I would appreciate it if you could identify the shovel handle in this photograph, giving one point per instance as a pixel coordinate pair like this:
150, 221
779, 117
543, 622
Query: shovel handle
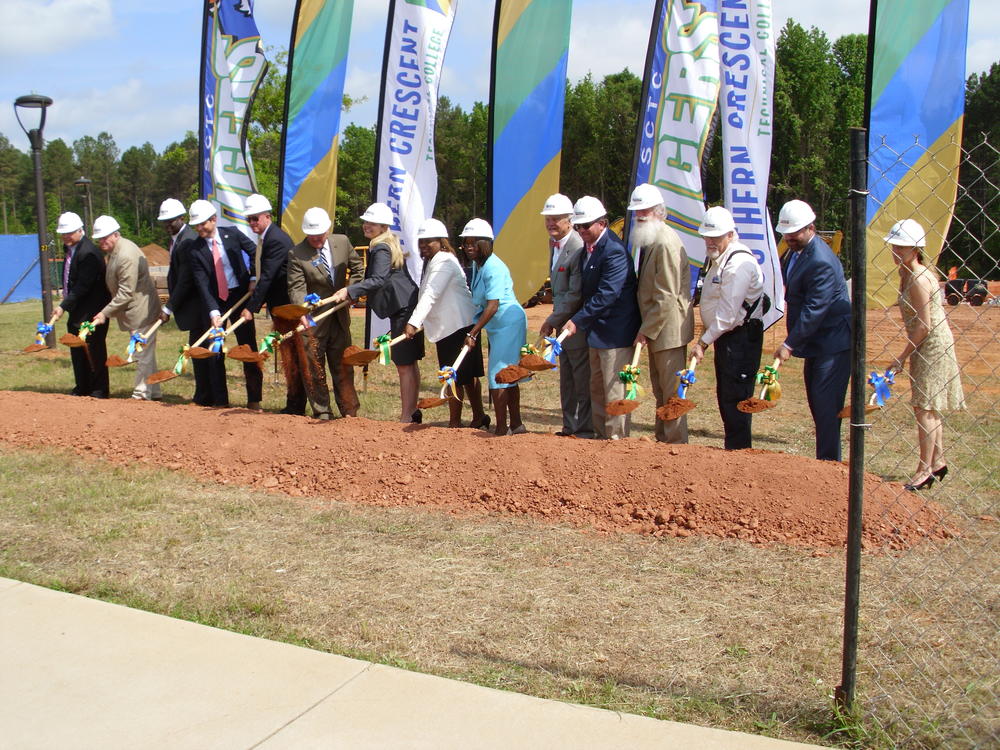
225, 317
53, 319
300, 328
153, 328
692, 364
635, 355
234, 326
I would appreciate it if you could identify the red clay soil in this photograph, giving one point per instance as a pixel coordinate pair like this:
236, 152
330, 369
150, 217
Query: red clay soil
632, 485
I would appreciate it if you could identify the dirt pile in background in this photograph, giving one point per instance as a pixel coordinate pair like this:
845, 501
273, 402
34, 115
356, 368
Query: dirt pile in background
631, 485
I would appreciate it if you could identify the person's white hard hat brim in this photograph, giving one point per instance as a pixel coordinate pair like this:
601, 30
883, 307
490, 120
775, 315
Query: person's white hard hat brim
478, 228
588, 209
716, 222
68, 223
431, 229
557, 205
171, 208
256, 204
316, 221
104, 226
794, 216
378, 213
907, 233
201, 211
645, 196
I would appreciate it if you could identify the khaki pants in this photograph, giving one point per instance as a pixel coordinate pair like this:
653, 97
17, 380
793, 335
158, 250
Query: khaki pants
606, 386
145, 365
663, 368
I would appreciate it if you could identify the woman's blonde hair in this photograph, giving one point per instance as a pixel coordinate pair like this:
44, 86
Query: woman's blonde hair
396, 253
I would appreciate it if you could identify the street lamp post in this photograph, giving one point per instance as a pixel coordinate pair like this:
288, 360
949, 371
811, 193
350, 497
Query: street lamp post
26, 103
88, 209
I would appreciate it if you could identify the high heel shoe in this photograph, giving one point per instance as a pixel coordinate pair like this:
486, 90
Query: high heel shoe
483, 424
922, 486
941, 473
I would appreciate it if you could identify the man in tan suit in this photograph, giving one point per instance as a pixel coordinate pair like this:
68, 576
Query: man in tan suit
321, 264
664, 301
134, 302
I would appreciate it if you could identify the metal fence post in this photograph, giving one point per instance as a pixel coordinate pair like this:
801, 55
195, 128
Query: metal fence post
855, 492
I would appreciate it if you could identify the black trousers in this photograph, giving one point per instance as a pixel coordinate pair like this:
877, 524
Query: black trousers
89, 370
737, 359
826, 377
202, 386
216, 366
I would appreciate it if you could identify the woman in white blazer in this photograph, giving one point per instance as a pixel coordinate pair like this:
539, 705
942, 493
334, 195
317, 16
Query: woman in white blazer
444, 309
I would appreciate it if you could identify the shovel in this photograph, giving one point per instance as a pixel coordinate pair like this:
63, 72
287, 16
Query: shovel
531, 360
770, 391
630, 377
135, 346
74, 341
359, 357
294, 312
881, 392
242, 352
447, 377
195, 350
677, 406
43, 330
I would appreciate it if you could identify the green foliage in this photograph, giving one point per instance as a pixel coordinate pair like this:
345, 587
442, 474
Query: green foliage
356, 163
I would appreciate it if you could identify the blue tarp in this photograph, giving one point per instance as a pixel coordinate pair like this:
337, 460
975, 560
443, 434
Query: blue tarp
17, 253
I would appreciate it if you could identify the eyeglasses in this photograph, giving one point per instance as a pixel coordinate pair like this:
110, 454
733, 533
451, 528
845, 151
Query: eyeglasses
252, 219
586, 225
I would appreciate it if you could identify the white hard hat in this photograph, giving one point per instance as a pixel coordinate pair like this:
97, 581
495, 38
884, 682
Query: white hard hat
69, 222
716, 222
477, 228
794, 215
378, 213
316, 221
588, 209
907, 233
430, 229
645, 196
256, 204
171, 208
557, 205
201, 211
103, 226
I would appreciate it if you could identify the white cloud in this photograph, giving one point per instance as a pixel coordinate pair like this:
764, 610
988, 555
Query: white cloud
38, 27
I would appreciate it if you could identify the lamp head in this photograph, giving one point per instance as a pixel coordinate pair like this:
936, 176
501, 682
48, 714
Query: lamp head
32, 101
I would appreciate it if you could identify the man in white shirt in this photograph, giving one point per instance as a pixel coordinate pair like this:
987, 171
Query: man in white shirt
566, 276
732, 305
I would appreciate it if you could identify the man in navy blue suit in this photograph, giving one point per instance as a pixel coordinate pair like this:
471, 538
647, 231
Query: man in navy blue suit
818, 318
610, 313
219, 260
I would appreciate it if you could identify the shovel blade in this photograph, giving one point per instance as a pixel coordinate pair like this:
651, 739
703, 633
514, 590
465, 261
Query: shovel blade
199, 352
289, 312
115, 361
674, 408
620, 407
431, 402
72, 340
243, 353
161, 377
535, 363
755, 405
32, 348
356, 357
512, 374
845, 413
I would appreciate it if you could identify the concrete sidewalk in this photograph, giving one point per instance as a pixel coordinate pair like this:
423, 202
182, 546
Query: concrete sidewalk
76, 673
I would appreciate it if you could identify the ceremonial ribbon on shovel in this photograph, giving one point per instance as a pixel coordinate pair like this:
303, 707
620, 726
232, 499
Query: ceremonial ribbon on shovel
382, 344
881, 384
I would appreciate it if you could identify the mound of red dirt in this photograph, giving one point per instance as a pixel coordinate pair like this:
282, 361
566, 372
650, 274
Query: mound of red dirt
630, 485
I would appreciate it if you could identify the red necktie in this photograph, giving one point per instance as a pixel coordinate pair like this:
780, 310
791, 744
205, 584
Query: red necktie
220, 271
590, 249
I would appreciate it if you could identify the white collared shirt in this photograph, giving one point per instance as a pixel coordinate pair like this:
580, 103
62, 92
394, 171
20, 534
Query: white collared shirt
731, 279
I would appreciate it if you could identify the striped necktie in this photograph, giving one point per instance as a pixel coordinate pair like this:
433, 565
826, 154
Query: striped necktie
325, 264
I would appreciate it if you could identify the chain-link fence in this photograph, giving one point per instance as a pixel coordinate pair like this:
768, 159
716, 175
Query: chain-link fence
929, 643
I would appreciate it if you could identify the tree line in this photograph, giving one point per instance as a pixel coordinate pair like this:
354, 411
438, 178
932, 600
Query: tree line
819, 94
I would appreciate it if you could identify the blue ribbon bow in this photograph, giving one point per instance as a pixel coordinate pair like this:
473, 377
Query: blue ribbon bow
135, 344
216, 336
687, 380
881, 383
312, 299
555, 349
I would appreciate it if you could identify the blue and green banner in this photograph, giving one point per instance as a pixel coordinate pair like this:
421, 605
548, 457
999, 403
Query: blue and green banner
915, 127
232, 67
314, 97
680, 94
527, 98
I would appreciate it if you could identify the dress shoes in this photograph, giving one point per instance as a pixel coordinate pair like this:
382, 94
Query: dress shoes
941, 473
921, 486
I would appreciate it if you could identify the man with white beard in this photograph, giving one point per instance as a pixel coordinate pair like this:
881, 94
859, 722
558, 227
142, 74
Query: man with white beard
732, 304
664, 301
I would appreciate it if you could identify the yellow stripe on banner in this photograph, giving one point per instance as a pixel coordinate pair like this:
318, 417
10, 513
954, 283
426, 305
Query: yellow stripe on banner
510, 14
318, 189
522, 243
308, 10
926, 194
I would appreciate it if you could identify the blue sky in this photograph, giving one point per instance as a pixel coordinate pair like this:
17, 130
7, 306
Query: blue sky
130, 67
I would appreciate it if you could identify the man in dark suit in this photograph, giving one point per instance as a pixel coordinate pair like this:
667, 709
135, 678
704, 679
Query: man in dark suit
566, 278
221, 279
272, 288
818, 318
322, 264
184, 303
84, 295
609, 315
